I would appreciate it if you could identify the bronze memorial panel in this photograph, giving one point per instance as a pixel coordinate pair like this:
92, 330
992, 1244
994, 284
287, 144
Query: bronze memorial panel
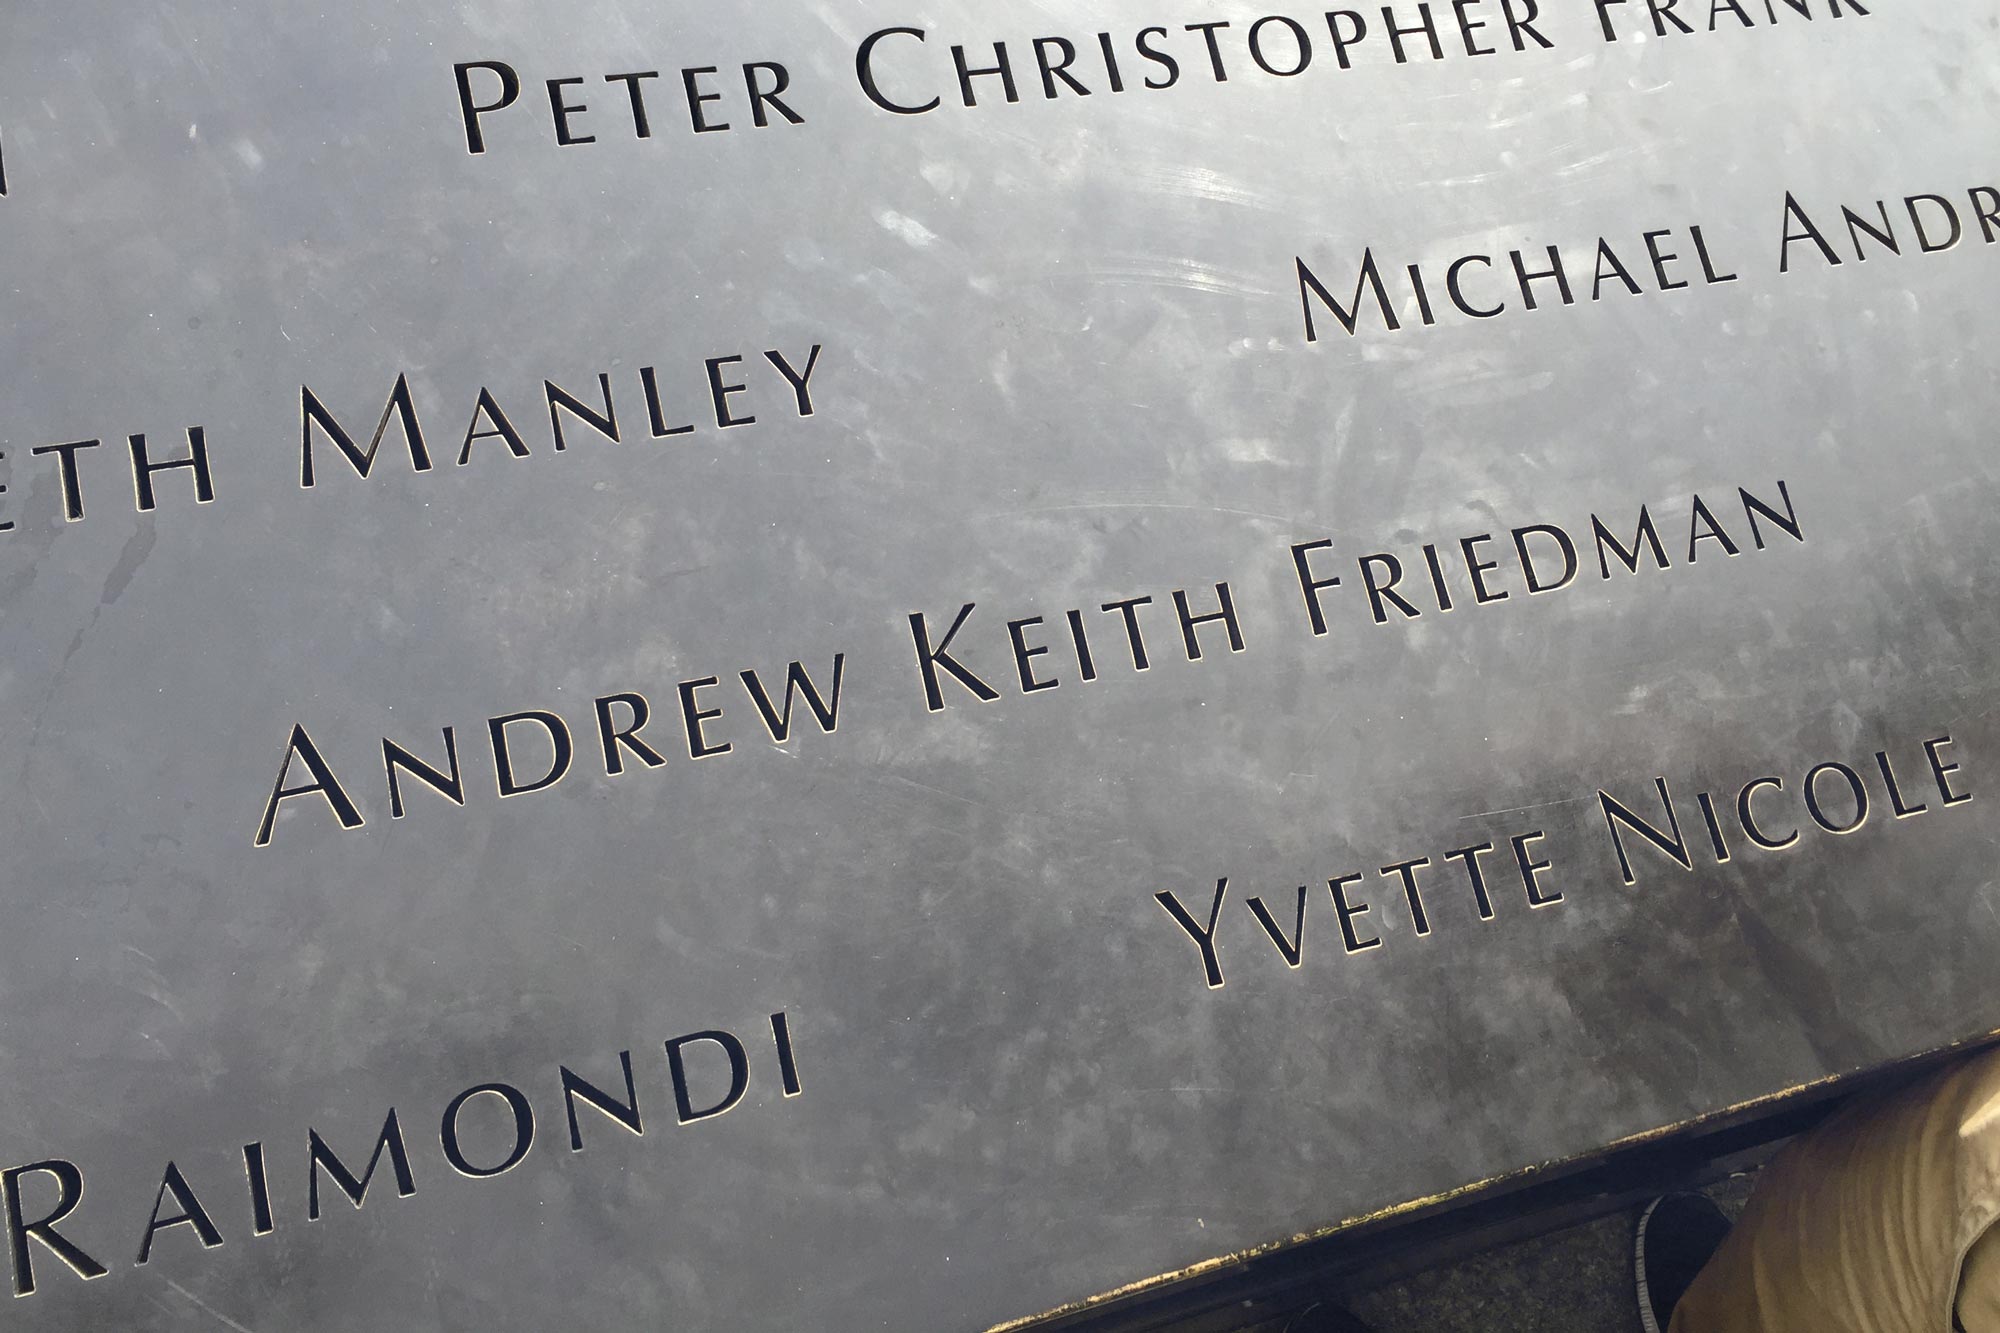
894, 665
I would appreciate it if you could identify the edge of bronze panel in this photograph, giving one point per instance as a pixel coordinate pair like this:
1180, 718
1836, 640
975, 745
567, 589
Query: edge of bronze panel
1523, 1174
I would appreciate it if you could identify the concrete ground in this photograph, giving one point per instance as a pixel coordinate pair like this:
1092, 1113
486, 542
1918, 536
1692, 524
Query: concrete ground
1577, 1280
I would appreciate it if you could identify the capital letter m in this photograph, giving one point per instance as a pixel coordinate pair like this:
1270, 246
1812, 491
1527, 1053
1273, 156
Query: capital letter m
356, 1188
1371, 278
313, 412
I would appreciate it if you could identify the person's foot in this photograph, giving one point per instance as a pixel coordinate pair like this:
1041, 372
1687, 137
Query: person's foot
1677, 1234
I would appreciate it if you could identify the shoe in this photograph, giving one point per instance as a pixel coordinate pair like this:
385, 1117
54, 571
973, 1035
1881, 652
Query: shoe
1676, 1236
1326, 1319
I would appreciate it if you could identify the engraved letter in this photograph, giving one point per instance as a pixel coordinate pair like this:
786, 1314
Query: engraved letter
739, 1074
1204, 939
301, 746
510, 88
319, 1155
69, 1192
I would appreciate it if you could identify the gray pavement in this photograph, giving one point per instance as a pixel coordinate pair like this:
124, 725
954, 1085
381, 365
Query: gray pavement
1578, 1280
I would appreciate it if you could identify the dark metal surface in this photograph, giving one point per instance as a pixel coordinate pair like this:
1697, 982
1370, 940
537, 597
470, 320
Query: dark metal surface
1063, 363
